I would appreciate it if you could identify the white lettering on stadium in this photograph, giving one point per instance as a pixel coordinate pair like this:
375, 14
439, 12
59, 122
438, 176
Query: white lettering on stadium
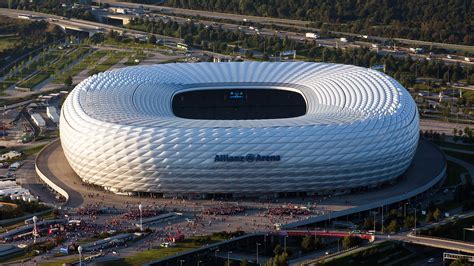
247, 158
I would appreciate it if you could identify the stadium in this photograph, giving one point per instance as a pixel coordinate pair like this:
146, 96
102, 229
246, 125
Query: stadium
239, 128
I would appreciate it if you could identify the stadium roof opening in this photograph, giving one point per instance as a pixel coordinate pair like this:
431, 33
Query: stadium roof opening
238, 104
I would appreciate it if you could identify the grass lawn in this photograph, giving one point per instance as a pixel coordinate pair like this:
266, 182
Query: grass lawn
86, 62
370, 255
33, 150
60, 262
452, 230
8, 42
463, 156
154, 254
35, 80
112, 59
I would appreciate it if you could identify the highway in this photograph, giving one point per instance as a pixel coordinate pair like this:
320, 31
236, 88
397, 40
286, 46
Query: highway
298, 24
79, 24
92, 27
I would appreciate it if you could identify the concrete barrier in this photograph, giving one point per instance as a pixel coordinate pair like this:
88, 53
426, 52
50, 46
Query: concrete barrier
45, 178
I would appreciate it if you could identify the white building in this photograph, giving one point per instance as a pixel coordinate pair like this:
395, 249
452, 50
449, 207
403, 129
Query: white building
10, 155
37, 119
52, 114
239, 128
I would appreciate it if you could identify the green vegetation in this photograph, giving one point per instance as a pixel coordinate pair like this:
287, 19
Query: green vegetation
112, 59
60, 262
453, 172
374, 255
22, 208
463, 156
438, 21
217, 39
8, 42
452, 230
32, 150
89, 60
24, 36
154, 254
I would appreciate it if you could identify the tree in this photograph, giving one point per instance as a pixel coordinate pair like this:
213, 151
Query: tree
409, 222
244, 262
277, 250
429, 217
437, 214
188, 39
152, 39
393, 227
68, 81
350, 241
307, 243
460, 262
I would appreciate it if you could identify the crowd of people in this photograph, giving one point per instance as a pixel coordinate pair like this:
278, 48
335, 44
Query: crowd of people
288, 211
224, 210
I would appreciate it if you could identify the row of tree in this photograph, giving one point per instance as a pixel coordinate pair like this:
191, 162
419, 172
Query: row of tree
431, 20
217, 39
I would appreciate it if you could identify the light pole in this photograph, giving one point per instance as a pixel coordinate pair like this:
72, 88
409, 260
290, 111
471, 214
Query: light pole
382, 219
228, 257
258, 244
285, 243
374, 221
215, 255
35, 231
405, 209
141, 220
79, 249
181, 262
199, 262
415, 221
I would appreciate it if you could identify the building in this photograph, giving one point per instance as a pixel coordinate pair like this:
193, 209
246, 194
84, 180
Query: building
10, 155
239, 128
38, 120
52, 114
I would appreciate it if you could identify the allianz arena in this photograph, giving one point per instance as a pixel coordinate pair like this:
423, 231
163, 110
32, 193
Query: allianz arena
239, 128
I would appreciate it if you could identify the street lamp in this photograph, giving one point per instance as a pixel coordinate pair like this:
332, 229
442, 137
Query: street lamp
35, 231
215, 255
79, 249
258, 244
415, 221
141, 220
181, 262
199, 262
228, 257
285, 243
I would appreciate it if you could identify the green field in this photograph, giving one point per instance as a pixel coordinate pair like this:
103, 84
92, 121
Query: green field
112, 59
8, 42
88, 61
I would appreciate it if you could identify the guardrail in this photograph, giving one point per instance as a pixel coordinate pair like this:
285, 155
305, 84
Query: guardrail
373, 205
45, 178
447, 240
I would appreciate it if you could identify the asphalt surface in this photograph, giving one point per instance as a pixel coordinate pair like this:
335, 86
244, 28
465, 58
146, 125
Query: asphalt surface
268, 20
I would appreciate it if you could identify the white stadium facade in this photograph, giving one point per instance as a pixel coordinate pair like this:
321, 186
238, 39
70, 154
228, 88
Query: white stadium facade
239, 128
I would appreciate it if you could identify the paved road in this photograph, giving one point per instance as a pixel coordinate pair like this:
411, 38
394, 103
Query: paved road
428, 163
303, 25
